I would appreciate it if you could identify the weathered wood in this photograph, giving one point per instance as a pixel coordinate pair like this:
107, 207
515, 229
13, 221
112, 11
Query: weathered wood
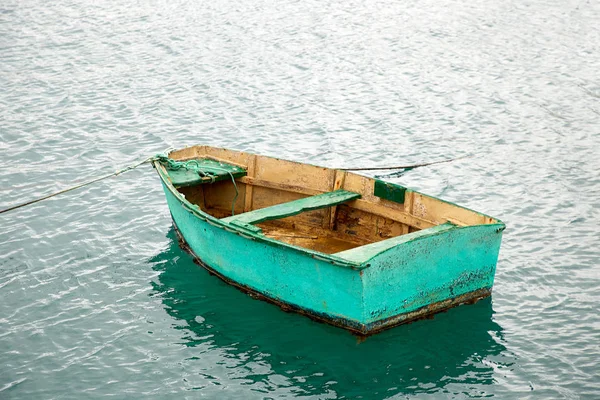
295, 207
365, 253
284, 225
220, 195
249, 188
338, 182
226, 161
385, 211
438, 211
293, 173
408, 201
353, 224
186, 153
317, 240
195, 195
381, 210
281, 186
233, 157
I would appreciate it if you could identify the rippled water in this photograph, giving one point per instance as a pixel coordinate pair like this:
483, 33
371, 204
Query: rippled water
97, 299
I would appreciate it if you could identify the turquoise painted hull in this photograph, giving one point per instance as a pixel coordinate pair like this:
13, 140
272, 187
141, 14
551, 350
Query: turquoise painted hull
427, 273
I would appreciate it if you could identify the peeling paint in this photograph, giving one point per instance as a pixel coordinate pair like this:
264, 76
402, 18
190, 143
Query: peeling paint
410, 281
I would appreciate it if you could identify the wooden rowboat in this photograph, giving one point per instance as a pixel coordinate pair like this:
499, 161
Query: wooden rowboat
349, 250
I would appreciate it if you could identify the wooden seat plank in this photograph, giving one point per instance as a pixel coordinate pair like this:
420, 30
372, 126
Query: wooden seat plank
294, 207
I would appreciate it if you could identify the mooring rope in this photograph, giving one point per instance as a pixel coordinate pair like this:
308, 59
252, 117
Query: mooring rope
405, 167
80, 185
169, 163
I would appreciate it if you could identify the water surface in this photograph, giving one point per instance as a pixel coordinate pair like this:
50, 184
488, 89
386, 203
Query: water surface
98, 300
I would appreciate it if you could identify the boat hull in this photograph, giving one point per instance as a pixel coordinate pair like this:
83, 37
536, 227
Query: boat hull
401, 285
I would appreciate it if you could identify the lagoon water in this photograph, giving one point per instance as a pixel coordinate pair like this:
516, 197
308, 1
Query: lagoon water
96, 298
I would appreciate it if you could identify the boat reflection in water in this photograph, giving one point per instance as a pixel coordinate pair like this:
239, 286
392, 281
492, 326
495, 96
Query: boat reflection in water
236, 340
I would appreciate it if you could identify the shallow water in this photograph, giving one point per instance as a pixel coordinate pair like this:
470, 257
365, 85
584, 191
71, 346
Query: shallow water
98, 300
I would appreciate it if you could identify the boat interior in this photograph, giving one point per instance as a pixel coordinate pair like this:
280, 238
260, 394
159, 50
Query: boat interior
321, 209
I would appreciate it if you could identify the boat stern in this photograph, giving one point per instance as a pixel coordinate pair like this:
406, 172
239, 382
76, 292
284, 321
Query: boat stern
430, 273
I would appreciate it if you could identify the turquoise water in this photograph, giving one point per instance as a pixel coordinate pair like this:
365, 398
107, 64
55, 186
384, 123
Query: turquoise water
98, 300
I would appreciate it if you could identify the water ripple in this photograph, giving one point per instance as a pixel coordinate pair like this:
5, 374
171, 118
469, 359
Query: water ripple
97, 298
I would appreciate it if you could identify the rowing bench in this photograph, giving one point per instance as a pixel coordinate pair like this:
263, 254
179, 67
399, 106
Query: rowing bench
283, 210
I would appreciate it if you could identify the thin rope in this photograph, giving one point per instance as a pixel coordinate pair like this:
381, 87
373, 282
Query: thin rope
118, 172
405, 167
234, 185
